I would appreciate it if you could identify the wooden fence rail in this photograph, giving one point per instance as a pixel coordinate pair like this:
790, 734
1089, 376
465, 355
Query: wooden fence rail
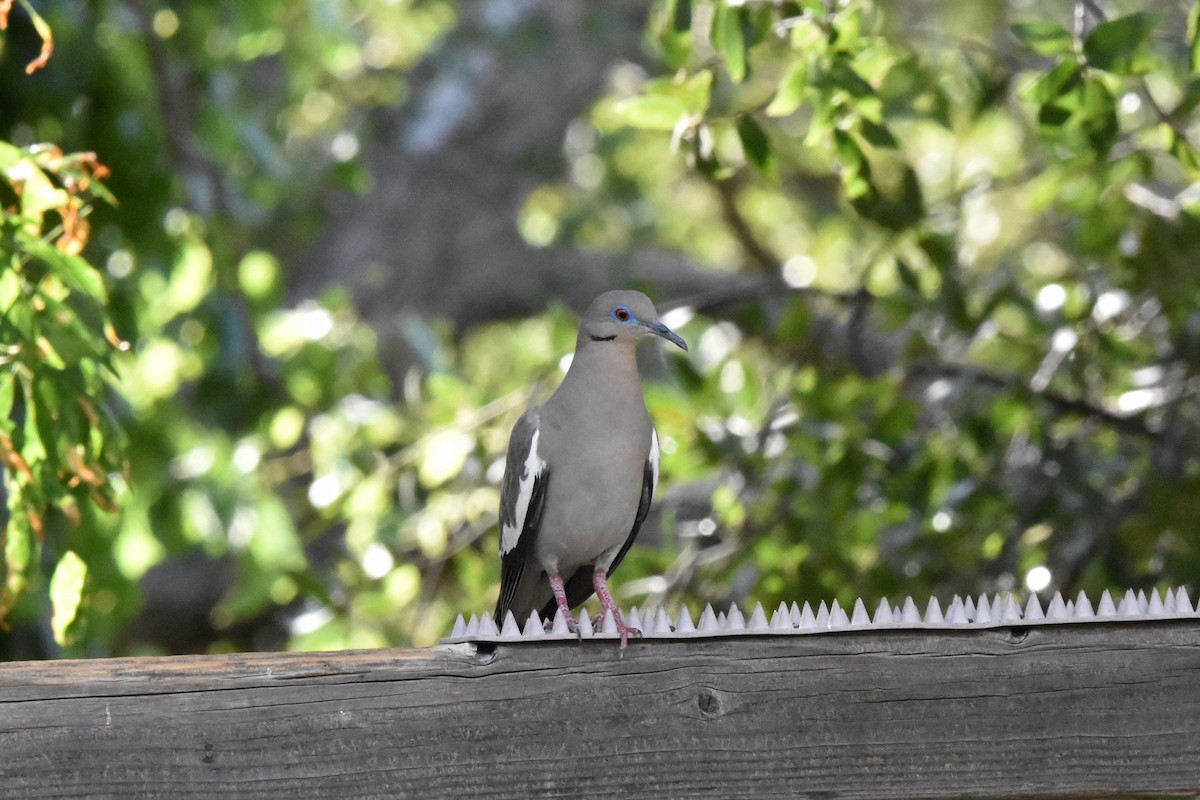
1054, 711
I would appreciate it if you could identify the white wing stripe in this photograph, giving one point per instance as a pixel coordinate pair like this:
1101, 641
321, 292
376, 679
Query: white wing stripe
510, 534
654, 460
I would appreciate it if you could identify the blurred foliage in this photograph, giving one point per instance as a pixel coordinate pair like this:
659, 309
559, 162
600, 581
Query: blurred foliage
974, 352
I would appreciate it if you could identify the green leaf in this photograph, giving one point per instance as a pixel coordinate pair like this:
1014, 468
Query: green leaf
1044, 36
1064, 77
72, 270
729, 40
1193, 38
1182, 149
651, 112
7, 392
908, 276
18, 554
755, 144
66, 593
790, 93
38, 192
696, 92
848, 150
877, 134
681, 15
9, 156
1118, 44
78, 274
843, 76
1099, 115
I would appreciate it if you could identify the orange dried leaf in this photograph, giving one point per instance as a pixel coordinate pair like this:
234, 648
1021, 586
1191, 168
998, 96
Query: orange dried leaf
43, 30
13, 459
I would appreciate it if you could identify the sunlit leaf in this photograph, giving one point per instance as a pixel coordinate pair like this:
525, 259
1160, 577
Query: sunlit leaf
729, 39
66, 594
1045, 36
73, 270
790, 93
651, 112
18, 552
1058, 81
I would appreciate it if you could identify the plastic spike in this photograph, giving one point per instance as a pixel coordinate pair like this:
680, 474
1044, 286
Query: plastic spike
969, 608
1033, 608
837, 617
608, 625
722, 620
1143, 601
1169, 601
1010, 611
460, 627
956, 613
883, 614
734, 620
510, 626
473, 626
1057, 608
823, 616
910, 615
685, 624
781, 620
860, 616
662, 623
1129, 606
758, 619
586, 631
996, 606
1154, 606
634, 619
933, 612
1183, 603
649, 626
808, 620
796, 613
533, 627
708, 620
1105, 608
1083, 606
983, 611
487, 626
559, 627
1071, 608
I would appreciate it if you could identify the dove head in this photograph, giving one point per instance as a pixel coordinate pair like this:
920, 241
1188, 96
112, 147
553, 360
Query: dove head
624, 316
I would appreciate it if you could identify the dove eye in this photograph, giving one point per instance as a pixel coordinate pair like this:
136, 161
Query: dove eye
621, 314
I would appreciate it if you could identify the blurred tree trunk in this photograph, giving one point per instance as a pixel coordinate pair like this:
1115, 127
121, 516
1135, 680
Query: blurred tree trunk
451, 167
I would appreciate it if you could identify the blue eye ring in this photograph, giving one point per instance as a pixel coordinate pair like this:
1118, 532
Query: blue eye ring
622, 314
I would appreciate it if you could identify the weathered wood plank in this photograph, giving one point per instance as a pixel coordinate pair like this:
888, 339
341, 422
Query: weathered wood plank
1054, 711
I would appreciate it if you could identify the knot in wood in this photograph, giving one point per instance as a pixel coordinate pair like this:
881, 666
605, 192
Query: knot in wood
709, 702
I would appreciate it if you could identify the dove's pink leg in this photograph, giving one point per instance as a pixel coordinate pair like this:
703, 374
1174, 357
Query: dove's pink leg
599, 583
560, 596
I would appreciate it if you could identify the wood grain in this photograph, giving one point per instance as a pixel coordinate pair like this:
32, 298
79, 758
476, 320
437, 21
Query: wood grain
1053, 711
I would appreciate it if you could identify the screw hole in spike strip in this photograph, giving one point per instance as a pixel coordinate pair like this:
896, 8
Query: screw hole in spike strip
999, 611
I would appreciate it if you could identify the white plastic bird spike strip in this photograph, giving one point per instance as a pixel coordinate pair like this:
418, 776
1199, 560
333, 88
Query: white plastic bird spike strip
999, 611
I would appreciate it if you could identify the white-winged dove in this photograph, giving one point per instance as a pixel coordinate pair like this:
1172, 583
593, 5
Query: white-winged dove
581, 470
